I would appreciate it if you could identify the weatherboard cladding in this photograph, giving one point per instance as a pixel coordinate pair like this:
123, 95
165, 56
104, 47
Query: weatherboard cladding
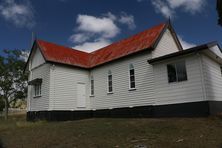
181, 92
212, 79
38, 59
166, 45
43, 103
65, 55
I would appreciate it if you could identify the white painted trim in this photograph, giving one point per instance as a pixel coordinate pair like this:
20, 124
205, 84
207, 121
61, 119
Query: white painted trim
131, 89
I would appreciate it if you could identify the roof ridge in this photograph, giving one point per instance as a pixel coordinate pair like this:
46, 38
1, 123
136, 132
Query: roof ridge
126, 38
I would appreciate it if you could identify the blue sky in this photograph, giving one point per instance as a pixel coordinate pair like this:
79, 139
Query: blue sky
91, 24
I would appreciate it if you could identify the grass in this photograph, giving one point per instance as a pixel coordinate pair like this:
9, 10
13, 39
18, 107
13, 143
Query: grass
105, 133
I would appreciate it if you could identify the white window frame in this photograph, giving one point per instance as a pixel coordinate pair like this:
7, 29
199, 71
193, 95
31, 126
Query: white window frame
109, 74
37, 90
92, 86
131, 66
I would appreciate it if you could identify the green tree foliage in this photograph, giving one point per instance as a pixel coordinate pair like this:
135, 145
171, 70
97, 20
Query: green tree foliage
13, 83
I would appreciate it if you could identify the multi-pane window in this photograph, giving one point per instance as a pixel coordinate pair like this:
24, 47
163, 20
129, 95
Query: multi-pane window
92, 86
110, 82
132, 84
37, 90
177, 72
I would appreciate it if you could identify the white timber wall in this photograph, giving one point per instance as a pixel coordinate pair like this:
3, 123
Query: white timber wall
63, 87
40, 103
213, 79
166, 45
216, 50
29, 93
179, 92
37, 59
122, 96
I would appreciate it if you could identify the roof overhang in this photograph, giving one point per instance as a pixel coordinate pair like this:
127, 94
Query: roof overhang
35, 81
183, 52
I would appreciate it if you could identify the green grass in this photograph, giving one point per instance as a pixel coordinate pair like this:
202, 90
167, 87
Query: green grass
105, 133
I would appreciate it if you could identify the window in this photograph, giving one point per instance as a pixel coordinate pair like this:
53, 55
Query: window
221, 70
110, 82
38, 91
176, 72
92, 86
131, 77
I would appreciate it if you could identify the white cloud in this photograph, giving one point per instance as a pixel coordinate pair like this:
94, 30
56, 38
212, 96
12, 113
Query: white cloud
191, 6
79, 37
111, 16
185, 44
93, 32
25, 55
168, 7
161, 7
92, 46
102, 25
128, 20
20, 14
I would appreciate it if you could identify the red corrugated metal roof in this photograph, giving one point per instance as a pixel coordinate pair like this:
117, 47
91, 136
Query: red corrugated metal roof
66, 55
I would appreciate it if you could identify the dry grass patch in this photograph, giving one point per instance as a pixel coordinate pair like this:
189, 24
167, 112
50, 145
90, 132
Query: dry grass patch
100, 133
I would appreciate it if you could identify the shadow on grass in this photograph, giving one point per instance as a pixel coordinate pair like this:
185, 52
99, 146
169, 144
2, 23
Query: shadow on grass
1, 144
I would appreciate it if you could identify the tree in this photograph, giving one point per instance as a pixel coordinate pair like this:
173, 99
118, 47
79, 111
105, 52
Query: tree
1, 104
219, 10
13, 83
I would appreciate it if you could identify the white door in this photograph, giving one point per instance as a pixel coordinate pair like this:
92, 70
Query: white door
81, 95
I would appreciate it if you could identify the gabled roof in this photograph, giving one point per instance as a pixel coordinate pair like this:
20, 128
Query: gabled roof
147, 39
184, 52
64, 55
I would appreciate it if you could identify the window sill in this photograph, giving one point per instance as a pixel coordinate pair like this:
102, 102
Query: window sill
109, 93
132, 89
91, 96
176, 82
37, 96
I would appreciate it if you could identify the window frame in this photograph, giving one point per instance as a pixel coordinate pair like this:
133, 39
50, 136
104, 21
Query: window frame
108, 84
175, 64
37, 90
131, 67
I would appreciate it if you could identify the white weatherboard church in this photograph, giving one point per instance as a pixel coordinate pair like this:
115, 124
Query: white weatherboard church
145, 75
